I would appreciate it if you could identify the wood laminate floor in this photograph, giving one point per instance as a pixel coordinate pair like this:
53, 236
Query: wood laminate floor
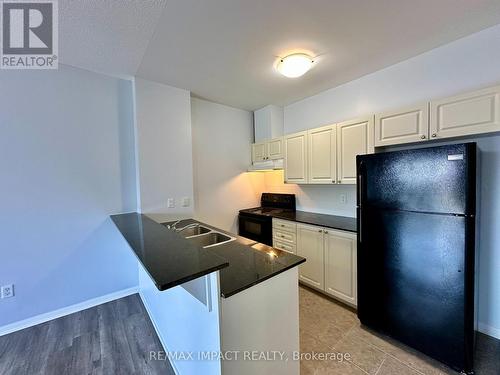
112, 338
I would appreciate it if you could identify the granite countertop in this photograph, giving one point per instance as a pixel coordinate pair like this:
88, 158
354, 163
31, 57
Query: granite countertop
330, 221
250, 262
168, 257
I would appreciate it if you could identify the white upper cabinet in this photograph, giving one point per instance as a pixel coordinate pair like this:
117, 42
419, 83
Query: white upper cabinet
402, 126
322, 145
268, 123
341, 265
353, 138
259, 152
466, 114
275, 148
310, 246
296, 158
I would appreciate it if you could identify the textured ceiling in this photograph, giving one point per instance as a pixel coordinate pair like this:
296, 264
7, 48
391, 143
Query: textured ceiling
107, 36
224, 50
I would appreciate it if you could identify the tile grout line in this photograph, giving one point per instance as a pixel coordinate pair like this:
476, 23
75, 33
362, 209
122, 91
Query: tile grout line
381, 363
394, 357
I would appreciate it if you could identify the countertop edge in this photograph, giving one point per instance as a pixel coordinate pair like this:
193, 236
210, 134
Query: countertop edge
166, 286
227, 295
309, 222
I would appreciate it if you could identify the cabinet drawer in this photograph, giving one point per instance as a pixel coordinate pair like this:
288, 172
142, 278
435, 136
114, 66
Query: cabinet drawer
284, 246
284, 236
285, 225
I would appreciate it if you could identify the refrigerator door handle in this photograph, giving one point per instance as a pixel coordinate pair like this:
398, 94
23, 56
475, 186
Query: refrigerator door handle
360, 192
360, 229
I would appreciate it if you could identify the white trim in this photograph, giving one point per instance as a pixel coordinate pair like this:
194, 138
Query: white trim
158, 333
45, 317
488, 330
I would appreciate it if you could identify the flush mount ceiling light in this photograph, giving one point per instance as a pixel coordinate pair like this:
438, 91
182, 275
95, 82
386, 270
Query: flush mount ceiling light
295, 65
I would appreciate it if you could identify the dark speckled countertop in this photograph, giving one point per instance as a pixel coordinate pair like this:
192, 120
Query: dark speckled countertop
250, 262
170, 259
329, 221
167, 256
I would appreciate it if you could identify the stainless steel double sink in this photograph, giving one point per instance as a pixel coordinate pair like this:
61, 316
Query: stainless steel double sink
204, 237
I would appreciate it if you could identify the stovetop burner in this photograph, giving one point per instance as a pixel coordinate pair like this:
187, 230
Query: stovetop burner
273, 204
265, 210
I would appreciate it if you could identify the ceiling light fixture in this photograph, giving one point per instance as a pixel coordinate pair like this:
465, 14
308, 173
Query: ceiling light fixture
294, 65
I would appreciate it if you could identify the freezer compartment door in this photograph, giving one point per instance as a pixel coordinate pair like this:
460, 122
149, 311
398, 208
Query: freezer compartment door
411, 281
438, 179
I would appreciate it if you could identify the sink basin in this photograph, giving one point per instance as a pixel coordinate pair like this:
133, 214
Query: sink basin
194, 231
210, 239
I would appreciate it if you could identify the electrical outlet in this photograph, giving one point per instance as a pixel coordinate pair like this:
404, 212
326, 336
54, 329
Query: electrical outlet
343, 198
186, 202
170, 202
7, 291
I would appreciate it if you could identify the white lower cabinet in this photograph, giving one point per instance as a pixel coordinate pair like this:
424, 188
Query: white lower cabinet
310, 246
285, 235
341, 265
331, 261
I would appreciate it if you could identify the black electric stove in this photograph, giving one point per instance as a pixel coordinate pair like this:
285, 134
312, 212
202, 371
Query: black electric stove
257, 223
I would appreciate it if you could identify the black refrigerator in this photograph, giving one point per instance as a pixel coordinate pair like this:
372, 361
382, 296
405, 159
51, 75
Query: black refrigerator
416, 248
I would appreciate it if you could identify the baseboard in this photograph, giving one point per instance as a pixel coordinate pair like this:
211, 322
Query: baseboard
158, 333
42, 318
488, 330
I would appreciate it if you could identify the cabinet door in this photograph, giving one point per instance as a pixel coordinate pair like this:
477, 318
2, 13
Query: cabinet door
275, 148
322, 155
310, 246
402, 126
341, 265
353, 138
471, 113
259, 152
296, 158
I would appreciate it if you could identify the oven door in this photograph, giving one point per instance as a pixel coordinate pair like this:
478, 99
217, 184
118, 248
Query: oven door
256, 228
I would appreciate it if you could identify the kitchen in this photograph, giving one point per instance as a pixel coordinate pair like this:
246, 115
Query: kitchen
165, 147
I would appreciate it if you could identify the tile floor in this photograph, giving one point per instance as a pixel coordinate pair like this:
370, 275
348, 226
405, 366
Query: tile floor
328, 326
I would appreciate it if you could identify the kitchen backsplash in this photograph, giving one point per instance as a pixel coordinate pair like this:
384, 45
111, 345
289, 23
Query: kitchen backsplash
325, 199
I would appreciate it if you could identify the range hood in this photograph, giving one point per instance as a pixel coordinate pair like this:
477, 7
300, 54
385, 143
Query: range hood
269, 165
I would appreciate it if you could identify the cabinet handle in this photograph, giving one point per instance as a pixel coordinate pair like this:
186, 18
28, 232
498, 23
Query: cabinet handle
423, 136
333, 181
326, 232
339, 182
320, 231
434, 135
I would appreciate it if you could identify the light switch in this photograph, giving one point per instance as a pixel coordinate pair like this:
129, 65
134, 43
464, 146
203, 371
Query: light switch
170, 202
186, 202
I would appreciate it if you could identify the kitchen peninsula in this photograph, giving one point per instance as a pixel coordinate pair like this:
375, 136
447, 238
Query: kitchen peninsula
209, 291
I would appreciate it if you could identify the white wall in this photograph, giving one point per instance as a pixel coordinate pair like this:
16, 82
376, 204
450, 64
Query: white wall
221, 153
184, 324
163, 149
65, 139
315, 198
463, 65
